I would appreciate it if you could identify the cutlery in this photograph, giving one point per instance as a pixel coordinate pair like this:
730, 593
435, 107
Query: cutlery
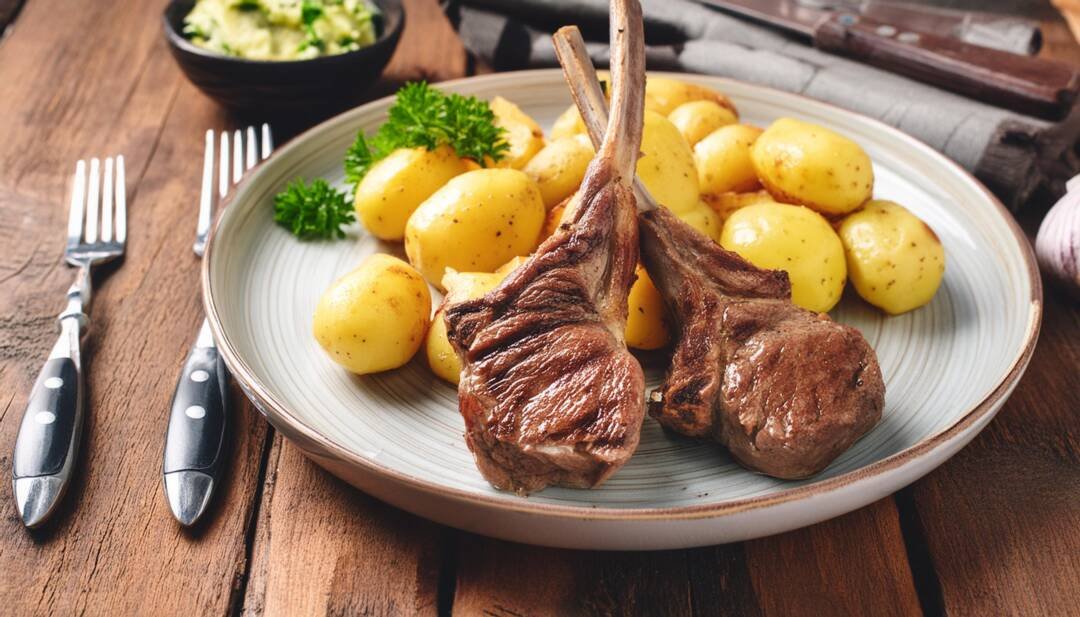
48, 440
1030, 85
193, 459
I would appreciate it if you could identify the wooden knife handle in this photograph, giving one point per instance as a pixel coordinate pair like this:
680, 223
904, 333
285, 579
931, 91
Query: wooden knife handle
1030, 85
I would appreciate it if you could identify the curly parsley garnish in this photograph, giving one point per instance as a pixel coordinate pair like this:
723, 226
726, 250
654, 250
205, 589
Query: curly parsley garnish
313, 211
423, 116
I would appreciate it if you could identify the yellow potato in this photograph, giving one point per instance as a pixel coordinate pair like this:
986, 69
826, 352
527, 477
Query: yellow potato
523, 134
507, 267
697, 119
374, 318
726, 203
704, 219
476, 222
460, 286
667, 164
395, 186
794, 239
723, 160
568, 124
895, 260
663, 95
559, 167
646, 319
803, 163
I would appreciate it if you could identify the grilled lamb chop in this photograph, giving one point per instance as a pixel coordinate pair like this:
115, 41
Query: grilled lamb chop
785, 389
549, 393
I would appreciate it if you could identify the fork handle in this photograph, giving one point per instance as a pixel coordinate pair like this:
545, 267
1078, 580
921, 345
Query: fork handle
48, 440
195, 440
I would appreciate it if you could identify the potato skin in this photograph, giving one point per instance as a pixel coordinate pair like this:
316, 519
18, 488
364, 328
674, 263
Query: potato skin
722, 160
794, 239
374, 318
726, 203
646, 319
568, 124
896, 262
807, 164
523, 134
559, 167
667, 164
696, 119
476, 222
441, 357
396, 186
704, 219
663, 95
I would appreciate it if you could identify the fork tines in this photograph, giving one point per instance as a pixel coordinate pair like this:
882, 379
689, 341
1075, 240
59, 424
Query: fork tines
97, 221
234, 158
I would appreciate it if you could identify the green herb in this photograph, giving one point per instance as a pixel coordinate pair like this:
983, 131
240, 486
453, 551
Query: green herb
247, 5
313, 211
423, 116
193, 31
309, 12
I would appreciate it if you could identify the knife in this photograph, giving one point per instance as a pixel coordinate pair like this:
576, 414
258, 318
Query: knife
1029, 85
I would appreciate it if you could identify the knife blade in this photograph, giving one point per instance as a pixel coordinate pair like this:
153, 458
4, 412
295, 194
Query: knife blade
1029, 85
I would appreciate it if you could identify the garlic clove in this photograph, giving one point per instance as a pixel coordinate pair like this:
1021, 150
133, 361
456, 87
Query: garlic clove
1057, 245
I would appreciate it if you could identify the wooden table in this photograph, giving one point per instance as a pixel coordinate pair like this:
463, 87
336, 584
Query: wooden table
994, 531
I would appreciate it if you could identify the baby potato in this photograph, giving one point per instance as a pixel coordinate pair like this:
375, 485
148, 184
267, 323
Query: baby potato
663, 95
704, 219
726, 203
507, 267
807, 164
476, 223
667, 164
395, 186
523, 134
697, 119
794, 239
460, 286
373, 318
895, 260
723, 159
559, 167
568, 124
646, 319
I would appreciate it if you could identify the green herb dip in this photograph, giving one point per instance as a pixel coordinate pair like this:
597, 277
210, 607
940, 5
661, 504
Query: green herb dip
281, 29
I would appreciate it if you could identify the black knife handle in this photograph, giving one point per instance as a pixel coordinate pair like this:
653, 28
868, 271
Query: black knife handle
50, 426
198, 418
1030, 85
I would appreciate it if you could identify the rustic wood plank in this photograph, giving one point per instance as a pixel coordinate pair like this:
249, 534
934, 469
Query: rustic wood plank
323, 548
75, 89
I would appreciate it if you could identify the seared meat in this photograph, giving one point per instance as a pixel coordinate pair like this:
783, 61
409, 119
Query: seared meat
785, 389
549, 393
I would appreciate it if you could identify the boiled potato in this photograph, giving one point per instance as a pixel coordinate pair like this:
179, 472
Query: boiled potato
663, 95
666, 166
803, 163
794, 239
395, 186
646, 319
523, 134
697, 119
704, 219
723, 159
559, 167
460, 286
476, 223
373, 318
568, 124
726, 203
895, 260
507, 267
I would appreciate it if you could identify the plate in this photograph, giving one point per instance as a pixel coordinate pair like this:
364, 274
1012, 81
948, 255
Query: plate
948, 366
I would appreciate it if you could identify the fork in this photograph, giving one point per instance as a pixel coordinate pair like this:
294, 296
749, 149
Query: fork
48, 440
193, 460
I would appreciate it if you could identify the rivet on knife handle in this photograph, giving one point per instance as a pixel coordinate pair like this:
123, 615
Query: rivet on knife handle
1030, 85
195, 440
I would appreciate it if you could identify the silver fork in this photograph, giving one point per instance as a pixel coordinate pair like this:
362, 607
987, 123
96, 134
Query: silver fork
193, 460
48, 440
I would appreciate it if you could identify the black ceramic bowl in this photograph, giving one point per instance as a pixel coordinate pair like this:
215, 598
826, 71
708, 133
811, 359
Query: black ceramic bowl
272, 88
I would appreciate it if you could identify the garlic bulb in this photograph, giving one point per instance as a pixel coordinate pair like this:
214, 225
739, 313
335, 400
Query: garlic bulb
1058, 243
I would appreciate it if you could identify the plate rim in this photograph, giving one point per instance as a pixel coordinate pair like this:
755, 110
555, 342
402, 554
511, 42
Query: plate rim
309, 439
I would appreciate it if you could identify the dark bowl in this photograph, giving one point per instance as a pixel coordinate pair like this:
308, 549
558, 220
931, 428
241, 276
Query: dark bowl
275, 88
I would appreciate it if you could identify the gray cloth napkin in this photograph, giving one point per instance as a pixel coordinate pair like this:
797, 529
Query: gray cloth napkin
1016, 156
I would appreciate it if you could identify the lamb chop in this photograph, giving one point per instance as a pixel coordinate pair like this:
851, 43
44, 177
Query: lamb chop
785, 389
549, 393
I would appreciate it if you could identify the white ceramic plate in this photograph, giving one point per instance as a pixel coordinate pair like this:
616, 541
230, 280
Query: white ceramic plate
948, 366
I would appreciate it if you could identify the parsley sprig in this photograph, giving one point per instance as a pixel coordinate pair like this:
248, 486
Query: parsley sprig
423, 116
313, 211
